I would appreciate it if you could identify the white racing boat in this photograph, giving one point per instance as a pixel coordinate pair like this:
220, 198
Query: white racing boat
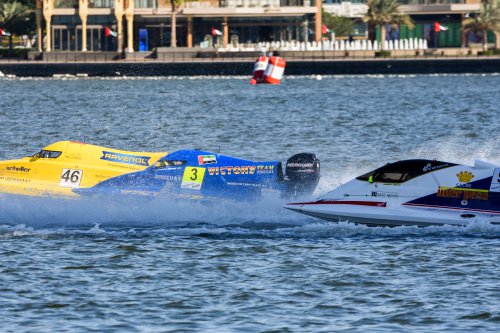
413, 192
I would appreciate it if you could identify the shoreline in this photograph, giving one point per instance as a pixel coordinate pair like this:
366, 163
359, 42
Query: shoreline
228, 67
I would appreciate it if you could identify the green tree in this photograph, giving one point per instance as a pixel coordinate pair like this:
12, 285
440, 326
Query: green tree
342, 26
487, 19
383, 12
13, 18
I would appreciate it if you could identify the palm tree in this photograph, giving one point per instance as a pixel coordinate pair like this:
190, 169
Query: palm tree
12, 13
12, 16
382, 12
175, 6
487, 19
342, 26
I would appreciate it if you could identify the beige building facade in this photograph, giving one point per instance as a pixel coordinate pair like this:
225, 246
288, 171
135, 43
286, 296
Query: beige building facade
142, 25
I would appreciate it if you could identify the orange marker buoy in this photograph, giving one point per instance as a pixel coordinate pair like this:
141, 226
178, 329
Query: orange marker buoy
259, 68
274, 71
253, 81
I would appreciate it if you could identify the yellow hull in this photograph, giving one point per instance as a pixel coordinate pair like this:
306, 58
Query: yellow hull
63, 166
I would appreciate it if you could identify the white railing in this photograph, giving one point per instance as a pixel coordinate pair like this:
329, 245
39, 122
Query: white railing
251, 3
328, 45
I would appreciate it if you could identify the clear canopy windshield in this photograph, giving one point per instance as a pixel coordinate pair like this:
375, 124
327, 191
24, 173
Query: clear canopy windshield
402, 171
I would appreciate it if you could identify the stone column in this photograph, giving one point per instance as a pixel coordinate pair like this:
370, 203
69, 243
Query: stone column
38, 13
48, 6
129, 14
84, 12
225, 32
119, 23
189, 31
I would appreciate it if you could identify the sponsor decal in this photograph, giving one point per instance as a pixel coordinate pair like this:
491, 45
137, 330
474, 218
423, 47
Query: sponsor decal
232, 170
462, 193
384, 194
125, 158
428, 167
169, 178
245, 184
265, 169
300, 165
15, 180
17, 169
207, 159
465, 176
240, 170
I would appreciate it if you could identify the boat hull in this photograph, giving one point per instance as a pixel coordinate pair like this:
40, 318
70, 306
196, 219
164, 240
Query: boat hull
396, 216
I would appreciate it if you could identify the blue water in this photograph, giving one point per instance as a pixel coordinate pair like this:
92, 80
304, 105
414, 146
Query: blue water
168, 266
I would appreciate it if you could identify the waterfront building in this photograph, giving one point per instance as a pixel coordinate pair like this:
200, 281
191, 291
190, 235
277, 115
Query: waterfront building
425, 13
143, 25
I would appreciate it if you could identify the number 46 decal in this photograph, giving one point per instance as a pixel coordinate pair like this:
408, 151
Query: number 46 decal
71, 178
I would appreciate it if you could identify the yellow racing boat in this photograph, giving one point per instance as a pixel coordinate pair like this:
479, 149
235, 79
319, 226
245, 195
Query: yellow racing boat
61, 167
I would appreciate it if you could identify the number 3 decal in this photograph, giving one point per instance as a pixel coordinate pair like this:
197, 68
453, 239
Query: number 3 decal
193, 178
194, 172
71, 178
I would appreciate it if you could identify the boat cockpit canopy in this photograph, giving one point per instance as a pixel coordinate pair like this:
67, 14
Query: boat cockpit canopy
48, 154
402, 171
162, 164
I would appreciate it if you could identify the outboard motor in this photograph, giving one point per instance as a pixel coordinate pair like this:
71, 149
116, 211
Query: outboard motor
302, 172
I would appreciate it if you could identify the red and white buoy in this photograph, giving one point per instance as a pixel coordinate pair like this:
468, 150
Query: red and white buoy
274, 71
259, 69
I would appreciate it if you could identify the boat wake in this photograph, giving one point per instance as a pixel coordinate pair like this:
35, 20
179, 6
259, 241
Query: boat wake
50, 217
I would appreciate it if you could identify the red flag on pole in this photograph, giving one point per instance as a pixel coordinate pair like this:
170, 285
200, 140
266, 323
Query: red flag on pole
108, 32
216, 32
4, 33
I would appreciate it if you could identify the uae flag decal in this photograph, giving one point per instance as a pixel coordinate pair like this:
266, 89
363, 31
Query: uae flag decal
206, 159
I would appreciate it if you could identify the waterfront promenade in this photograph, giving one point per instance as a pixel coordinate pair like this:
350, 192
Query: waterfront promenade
181, 63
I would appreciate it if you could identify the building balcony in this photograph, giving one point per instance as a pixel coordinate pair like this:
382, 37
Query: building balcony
432, 2
264, 3
101, 3
440, 8
250, 8
146, 4
66, 4
413, 7
345, 8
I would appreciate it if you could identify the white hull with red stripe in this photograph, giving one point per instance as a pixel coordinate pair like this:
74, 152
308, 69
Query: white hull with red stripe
413, 192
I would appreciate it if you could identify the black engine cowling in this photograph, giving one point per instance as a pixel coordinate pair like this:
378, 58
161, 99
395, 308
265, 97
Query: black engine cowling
302, 173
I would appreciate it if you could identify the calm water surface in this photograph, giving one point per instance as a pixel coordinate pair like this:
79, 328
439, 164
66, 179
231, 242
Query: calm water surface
164, 266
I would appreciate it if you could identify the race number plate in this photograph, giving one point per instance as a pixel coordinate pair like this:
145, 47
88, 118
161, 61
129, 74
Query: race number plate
193, 178
495, 181
71, 178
